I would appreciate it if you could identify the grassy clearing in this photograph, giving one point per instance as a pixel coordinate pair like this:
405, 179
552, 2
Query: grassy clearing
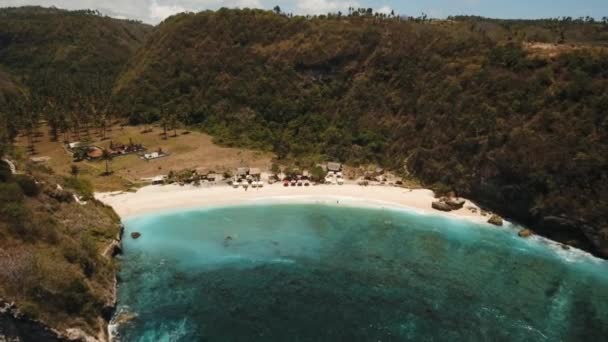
190, 150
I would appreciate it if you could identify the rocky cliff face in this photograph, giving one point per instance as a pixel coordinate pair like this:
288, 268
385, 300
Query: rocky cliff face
56, 257
15, 327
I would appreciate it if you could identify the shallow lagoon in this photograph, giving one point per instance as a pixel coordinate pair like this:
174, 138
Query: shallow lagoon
306, 272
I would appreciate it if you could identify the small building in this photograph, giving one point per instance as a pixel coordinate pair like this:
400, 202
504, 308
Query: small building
255, 172
214, 177
94, 153
203, 172
242, 172
158, 180
39, 160
152, 155
334, 167
74, 145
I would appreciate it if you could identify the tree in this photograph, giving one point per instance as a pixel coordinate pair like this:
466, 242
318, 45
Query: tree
173, 122
107, 157
317, 174
277, 9
275, 169
164, 121
74, 170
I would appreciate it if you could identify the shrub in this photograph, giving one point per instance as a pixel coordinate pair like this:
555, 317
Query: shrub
15, 215
5, 171
61, 195
80, 185
76, 296
10, 192
28, 185
317, 174
30, 310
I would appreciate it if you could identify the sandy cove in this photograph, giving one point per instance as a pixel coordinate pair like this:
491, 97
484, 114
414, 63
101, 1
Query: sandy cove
157, 198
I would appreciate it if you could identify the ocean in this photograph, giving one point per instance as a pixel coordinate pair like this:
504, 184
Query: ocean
310, 272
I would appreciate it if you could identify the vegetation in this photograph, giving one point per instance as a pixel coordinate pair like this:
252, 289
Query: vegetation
511, 113
471, 105
63, 64
60, 67
51, 261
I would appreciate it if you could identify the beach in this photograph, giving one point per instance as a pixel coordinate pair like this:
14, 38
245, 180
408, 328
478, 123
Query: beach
156, 198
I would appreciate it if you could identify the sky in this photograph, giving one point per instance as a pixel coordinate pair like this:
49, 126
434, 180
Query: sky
154, 11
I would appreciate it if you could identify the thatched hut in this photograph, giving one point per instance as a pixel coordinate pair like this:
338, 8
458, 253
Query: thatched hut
334, 167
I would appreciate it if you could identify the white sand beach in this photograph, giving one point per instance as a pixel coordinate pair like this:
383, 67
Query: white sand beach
157, 198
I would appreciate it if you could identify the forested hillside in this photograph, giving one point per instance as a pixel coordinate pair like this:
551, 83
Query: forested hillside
65, 61
57, 66
510, 113
52, 262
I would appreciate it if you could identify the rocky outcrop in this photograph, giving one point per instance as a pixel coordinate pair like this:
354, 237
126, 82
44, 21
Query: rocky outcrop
597, 237
77, 335
495, 220
135, 235
14, 326
455, 203
448, 204
60, 195
442, 206
113, 249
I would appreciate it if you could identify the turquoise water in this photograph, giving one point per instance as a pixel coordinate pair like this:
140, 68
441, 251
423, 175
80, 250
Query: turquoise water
330, 273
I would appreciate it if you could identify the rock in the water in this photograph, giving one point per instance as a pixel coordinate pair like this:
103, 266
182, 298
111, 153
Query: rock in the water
525, 233
565, 247
135, 235
495, 220
438, 205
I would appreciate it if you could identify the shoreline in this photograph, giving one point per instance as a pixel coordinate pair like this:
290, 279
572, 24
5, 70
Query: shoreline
166, 198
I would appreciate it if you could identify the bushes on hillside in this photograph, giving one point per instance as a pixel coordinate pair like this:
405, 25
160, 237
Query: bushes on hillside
10, 192
28, 185
5, 171
82, 186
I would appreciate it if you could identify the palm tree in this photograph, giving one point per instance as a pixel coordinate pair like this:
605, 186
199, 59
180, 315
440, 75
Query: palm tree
107, 156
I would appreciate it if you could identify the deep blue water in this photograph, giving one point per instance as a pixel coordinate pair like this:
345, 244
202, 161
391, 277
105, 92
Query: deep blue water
329, 273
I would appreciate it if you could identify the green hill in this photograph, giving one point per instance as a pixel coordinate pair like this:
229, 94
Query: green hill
53, 64
512, 114
67, 59
509, 113
55, 264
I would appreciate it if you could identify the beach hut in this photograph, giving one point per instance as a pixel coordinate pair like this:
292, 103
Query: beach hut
242, 172
203, 172
334, 167
255, 172
214, 177
158, 180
